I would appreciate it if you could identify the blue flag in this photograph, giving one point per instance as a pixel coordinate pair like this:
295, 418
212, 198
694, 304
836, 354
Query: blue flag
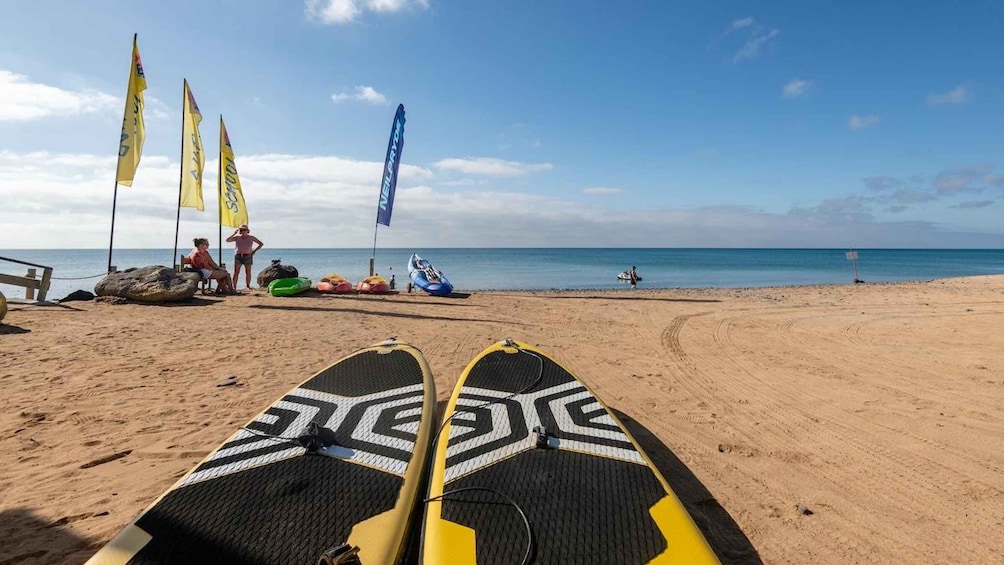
390, 166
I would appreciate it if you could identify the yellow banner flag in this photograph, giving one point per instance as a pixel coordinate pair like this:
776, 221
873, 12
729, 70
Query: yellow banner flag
233, 212
193, 158
133, 129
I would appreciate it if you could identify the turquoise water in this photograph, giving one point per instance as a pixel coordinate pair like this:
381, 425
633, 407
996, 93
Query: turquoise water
541, 269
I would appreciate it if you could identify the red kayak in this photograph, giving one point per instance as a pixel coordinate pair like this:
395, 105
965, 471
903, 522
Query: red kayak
373, 285
334, 284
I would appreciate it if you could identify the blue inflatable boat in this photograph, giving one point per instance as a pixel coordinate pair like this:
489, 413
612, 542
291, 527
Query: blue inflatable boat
427, 277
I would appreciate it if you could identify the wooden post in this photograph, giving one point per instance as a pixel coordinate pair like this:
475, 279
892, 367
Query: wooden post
44, 289
29, 292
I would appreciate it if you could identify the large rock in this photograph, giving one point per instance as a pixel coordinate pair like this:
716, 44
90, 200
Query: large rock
149, 284
276, 271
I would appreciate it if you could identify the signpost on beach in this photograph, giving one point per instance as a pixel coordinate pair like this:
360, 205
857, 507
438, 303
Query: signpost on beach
852, 256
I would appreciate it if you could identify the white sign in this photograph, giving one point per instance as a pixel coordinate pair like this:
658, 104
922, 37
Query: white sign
852, 255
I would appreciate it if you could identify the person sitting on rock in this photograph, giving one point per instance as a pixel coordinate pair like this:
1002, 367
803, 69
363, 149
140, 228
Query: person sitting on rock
203, 261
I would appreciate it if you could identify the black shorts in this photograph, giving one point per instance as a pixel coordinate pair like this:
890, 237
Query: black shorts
244, 259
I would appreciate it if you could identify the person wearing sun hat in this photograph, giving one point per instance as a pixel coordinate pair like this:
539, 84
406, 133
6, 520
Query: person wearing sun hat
244, 250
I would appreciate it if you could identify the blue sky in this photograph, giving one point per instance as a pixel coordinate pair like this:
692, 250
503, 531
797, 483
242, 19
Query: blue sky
683, 124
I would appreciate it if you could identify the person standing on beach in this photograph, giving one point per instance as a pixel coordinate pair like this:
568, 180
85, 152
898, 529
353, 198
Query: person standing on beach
243, 252
633, 276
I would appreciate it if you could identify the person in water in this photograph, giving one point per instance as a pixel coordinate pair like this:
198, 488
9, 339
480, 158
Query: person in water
244, 250
203, 261
633, 275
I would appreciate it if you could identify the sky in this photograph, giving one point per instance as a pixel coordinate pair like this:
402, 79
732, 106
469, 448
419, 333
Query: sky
529, 124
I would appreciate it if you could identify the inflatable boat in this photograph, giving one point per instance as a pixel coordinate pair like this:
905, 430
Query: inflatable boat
427, 277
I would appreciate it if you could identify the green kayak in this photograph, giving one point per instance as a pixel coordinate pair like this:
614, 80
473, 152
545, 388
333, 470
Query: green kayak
288, 287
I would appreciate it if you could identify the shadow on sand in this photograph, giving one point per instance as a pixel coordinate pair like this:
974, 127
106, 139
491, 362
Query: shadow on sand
632, 298
723, 534
193, 301
6, 329
366, 312
424, 299
31, 539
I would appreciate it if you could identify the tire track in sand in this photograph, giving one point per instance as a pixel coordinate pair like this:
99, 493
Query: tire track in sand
782, 422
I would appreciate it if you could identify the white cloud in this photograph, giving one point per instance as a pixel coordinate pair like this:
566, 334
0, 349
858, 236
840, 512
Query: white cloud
754, 45
742, 23
393, 5
68, 197
491, 167
861, 122
958, 95
345, 11
881, 183
21, 99
796, 87
602, 190
967, 178
362, 94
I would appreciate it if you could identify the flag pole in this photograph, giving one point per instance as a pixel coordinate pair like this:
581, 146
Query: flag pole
219, 189
115, 193
181, 170
111, 239
373, 255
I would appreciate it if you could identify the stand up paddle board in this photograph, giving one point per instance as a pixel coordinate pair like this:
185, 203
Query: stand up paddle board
329, 473
530, 466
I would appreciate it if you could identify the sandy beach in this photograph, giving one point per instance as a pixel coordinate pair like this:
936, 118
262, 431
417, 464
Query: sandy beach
877, 408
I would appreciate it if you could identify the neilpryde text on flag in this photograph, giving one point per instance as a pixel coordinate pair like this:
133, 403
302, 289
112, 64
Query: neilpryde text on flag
133, 128
193, 158
390, 167
233, 212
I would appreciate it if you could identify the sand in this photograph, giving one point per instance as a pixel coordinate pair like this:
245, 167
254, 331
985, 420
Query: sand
877, 408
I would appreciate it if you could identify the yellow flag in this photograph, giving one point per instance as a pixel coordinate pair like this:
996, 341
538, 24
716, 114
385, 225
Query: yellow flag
233, 213
133, 130
193, 158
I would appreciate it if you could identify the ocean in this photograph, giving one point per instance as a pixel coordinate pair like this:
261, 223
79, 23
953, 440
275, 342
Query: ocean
542, 269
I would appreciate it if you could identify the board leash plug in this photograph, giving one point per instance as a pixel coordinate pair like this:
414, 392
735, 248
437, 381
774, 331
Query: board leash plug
315, 437
544, 440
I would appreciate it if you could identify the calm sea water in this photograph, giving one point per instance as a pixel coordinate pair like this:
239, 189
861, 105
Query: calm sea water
536, 269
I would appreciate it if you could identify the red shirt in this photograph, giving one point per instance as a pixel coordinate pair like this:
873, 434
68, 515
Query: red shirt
201, 259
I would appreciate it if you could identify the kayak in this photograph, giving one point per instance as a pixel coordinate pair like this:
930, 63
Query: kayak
334, 283
288, 287
626, 276
373, 285
427, 277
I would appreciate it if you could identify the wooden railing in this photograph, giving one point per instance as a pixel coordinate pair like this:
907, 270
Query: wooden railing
29, 281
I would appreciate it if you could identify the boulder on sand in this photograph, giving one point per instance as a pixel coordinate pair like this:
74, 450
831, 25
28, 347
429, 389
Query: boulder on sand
155, 283
276, 271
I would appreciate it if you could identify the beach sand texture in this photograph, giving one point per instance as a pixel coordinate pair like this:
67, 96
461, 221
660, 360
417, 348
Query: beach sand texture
878, 408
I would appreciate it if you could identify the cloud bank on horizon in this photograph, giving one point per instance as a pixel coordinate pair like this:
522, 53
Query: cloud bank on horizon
328, 201
521, 192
